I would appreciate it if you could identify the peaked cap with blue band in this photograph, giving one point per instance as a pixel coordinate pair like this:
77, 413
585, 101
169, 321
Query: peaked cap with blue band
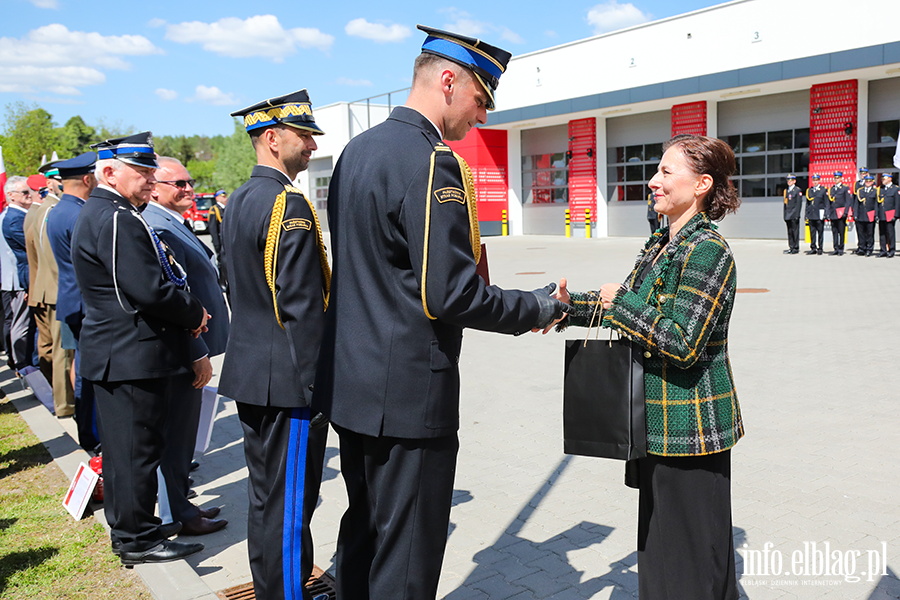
486, 62
134, 149
291, 109
75, 167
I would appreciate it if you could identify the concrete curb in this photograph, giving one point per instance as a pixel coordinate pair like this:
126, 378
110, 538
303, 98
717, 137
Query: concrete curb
176, 580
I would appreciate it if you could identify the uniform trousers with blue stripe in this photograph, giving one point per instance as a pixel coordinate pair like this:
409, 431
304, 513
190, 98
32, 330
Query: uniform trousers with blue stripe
285, 458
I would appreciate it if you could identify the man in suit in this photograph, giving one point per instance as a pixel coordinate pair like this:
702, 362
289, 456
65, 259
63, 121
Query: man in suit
867, 199
216, 214
43, 274
172, 196
21, 329
405, 243
137, 343
279, 279
839, 199
888, 206
815, 215
79, 181
793, 200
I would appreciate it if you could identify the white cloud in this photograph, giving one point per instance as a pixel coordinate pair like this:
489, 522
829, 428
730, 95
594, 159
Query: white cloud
377, 32
156, 22
353, 82
551, 34
212, 95
464, 24
54, 4
54, 59
165, 94
261, 35
611, 16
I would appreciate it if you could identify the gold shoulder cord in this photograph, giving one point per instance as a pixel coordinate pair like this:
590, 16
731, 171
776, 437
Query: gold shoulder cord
274, 237
471, 205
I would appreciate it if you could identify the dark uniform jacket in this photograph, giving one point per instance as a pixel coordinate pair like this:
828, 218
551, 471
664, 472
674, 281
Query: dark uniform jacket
14, 232
866, 199
404, 284
651, 214
817, 199
202, 278
793, 200
149, 337
60, 224
839, 201
265, 364
888, 201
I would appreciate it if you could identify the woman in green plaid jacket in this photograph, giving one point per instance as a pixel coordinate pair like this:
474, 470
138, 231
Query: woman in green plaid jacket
676, 304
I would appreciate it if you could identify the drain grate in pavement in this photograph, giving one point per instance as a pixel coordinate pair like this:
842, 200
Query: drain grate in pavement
320, 583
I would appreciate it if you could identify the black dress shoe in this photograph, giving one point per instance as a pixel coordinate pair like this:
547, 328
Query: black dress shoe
819, 252
200, 525
166, 530
191, 494
882, 255
194, 465
788, 251
165, 551
869, 253
209, 513
190, 481
810, 251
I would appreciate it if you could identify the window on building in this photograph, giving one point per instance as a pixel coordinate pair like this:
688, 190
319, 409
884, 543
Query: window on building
545, 178
883, 137
320, 192
763, 160
629, 170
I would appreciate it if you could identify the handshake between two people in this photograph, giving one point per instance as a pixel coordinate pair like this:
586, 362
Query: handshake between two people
555, 307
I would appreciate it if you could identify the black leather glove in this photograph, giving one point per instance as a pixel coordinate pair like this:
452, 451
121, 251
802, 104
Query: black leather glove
551, 309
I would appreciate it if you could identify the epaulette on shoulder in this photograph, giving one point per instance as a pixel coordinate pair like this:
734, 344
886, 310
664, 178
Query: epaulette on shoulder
291, 189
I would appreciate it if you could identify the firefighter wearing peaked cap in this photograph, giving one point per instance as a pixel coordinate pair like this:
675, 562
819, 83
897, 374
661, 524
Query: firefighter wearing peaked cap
404, 227
138, 340
839, 205
279, 280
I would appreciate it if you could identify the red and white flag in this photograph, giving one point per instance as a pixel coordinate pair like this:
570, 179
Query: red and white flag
2, 181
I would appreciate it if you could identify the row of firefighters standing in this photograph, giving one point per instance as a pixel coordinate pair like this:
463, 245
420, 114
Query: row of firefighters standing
864, 205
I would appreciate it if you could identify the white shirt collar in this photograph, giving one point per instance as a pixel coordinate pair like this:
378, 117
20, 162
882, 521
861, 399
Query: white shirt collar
175, 215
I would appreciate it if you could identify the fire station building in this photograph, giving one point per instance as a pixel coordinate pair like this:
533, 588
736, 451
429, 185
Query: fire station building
580, 126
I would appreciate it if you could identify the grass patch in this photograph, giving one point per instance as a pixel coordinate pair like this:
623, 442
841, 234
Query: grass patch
44, 553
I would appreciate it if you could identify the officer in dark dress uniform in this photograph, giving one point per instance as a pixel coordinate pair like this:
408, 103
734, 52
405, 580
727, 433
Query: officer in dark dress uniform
279, 278
216, 214
815, 213
838, 210
652, 215
78, 182
404, 231
137, 341
888, 206
867, 199
854, 202
793, 201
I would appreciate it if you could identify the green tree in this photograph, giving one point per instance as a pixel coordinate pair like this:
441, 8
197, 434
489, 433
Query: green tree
30, 134
203, 171
236, 159
75, 137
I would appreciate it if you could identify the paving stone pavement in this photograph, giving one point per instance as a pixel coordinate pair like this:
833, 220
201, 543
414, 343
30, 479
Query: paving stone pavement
813, 360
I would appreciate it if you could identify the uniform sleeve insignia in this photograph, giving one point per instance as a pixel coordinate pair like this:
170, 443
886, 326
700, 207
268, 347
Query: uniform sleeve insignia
450, 194
292, 224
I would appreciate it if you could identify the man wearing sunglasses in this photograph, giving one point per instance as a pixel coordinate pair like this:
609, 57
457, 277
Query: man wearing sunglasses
172, 196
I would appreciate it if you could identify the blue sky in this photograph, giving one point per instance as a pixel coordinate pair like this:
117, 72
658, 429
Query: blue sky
182, 67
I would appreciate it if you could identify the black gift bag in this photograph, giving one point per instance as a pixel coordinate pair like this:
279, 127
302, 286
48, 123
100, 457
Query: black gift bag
603, 399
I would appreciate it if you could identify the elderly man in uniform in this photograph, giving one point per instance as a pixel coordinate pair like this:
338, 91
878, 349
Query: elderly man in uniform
815, 215
172, 196
44, 275
78, 179
888, 206
864, 213
279, 279
793, 200
404, 233
137, 343
839, 199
